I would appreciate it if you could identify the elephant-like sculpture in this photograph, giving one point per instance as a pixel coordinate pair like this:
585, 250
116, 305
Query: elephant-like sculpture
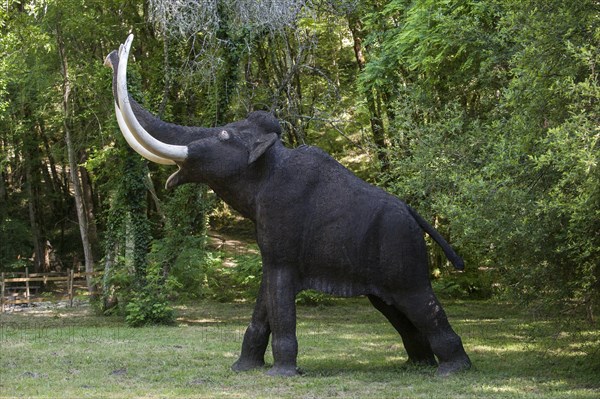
318, 227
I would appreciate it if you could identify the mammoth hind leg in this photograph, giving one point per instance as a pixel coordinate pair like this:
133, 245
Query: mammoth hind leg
416, 343
428, 316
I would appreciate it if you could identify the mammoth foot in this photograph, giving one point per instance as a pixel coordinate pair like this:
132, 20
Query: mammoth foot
247, 364
284, 371
447, 369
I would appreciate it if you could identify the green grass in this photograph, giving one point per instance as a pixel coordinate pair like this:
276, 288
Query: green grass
346, 351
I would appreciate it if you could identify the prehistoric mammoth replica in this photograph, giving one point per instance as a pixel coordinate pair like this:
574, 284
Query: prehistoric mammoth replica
318, 227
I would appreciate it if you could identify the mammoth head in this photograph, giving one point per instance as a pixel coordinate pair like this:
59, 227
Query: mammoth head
222, 157
203, 154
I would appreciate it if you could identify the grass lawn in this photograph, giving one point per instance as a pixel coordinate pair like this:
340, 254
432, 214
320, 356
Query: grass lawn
346, 351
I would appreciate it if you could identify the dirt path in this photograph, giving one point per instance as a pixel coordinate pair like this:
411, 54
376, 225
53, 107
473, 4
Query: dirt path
231, 246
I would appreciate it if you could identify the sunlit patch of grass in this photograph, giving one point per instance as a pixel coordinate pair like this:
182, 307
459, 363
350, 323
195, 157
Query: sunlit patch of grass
346, 351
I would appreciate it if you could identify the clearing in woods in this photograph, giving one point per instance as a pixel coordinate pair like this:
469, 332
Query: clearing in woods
347, 350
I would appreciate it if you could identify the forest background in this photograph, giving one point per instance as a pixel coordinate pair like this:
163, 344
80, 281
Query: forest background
483, 115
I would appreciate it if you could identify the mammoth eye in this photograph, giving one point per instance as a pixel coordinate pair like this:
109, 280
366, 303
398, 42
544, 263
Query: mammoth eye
224, 135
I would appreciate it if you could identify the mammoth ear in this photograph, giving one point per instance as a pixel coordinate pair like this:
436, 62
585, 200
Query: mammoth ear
261, 145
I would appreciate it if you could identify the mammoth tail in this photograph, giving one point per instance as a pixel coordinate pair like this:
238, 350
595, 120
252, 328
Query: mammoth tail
456, 260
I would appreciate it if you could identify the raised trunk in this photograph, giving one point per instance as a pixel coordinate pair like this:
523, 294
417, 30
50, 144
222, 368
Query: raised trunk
136, 135
165, 132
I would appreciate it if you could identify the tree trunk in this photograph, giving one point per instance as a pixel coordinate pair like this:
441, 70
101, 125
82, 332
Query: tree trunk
3, 191
227, 77
88, 201
36, 231
373, 98
82, 216
3, 175
32, 166
110, 299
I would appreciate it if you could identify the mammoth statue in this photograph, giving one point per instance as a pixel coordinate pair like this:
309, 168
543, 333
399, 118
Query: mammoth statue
318, 227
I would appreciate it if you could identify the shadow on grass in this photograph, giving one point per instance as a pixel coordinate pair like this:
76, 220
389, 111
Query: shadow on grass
504, 342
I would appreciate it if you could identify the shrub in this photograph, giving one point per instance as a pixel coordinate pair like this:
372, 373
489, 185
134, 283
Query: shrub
150, 305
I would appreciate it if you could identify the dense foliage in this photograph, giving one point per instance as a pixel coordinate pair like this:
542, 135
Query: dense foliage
495, 131
483, 115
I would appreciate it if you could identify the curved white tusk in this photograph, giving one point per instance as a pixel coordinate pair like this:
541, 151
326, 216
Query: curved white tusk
140, 149
176, 153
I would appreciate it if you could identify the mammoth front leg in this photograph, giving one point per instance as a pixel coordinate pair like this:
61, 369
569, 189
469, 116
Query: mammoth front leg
281, 308
256, 337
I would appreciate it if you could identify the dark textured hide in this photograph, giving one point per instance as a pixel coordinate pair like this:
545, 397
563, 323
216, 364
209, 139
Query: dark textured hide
318, 227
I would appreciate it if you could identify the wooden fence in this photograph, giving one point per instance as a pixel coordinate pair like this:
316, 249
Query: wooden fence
17, 288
